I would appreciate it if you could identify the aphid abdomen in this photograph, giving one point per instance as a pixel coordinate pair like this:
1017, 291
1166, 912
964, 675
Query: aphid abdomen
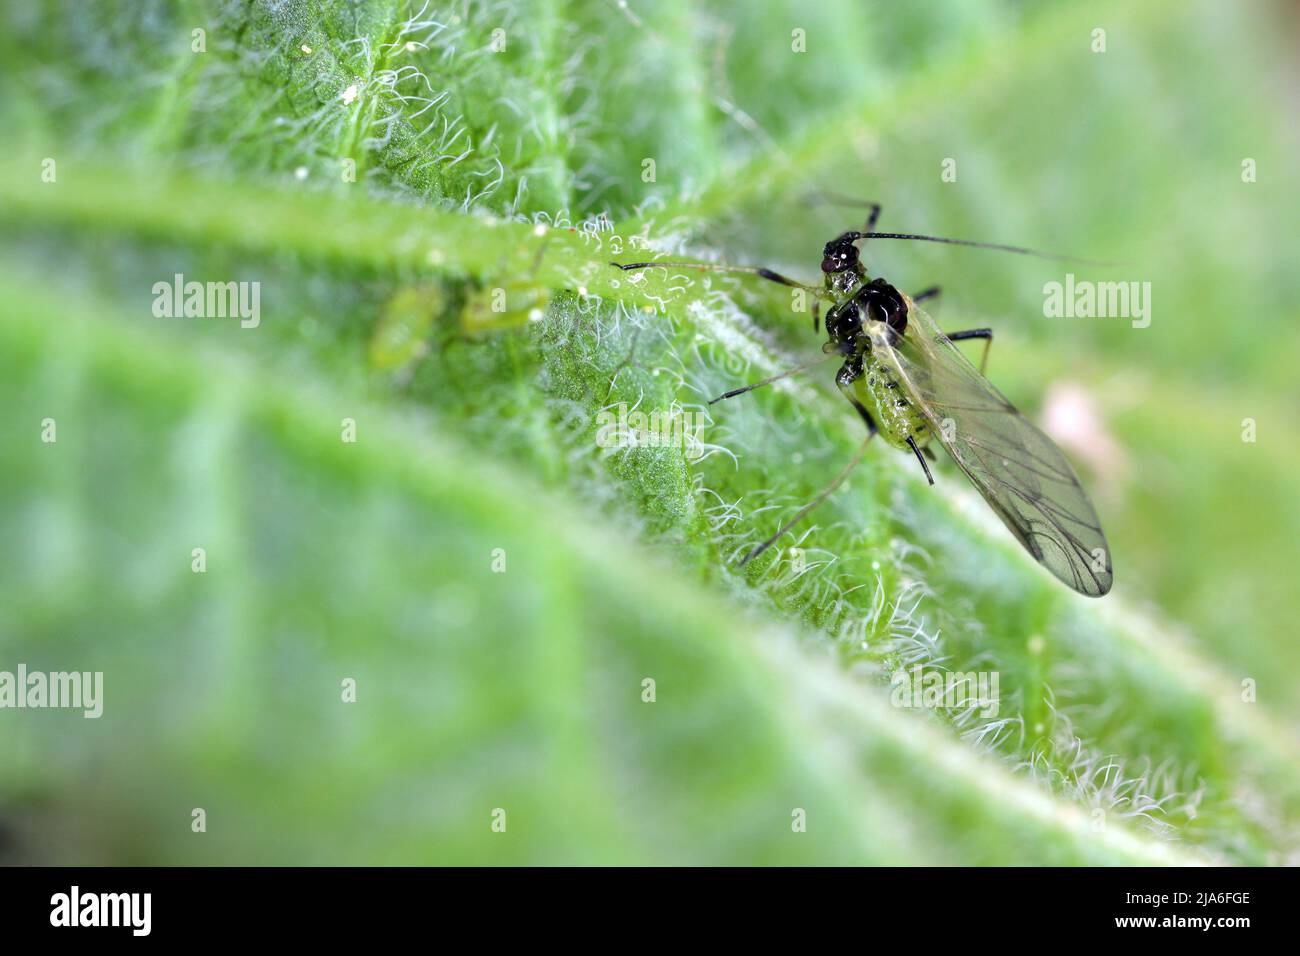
896, 417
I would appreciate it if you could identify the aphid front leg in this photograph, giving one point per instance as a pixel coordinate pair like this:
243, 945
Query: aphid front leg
985, 334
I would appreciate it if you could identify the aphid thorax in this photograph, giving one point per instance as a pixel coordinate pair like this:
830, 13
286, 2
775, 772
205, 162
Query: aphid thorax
861, 300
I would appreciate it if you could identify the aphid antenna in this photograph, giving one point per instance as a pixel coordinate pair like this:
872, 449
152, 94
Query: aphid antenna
825, 197
996, 246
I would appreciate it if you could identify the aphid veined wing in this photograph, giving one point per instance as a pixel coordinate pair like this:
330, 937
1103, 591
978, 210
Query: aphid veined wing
1020, 472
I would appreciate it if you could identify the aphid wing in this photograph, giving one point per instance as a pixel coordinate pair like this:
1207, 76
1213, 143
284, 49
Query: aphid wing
1020, 472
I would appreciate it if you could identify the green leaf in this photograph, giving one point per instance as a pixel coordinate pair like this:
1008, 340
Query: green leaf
496, 579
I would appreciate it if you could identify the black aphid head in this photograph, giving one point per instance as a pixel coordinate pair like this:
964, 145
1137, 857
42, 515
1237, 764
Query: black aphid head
840, 254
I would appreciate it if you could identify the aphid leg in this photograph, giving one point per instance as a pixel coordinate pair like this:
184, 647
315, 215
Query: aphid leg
768, 381
921, 458
930, 293
985, 334
872, 218
830, 198
849, 373
817, 316
821, 496
759, 271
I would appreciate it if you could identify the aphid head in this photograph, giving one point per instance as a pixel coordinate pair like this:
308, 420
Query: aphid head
840, 254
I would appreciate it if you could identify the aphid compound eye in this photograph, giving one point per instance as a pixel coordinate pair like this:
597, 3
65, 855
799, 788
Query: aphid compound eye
838, 256
836, 261
881, 302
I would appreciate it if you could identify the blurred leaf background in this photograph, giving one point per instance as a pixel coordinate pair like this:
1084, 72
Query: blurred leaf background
1127, 731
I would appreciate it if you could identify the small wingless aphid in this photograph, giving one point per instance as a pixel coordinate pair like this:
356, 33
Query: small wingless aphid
912, 386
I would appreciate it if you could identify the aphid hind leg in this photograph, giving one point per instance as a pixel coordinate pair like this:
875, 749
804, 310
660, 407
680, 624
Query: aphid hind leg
932, 292
985, 334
